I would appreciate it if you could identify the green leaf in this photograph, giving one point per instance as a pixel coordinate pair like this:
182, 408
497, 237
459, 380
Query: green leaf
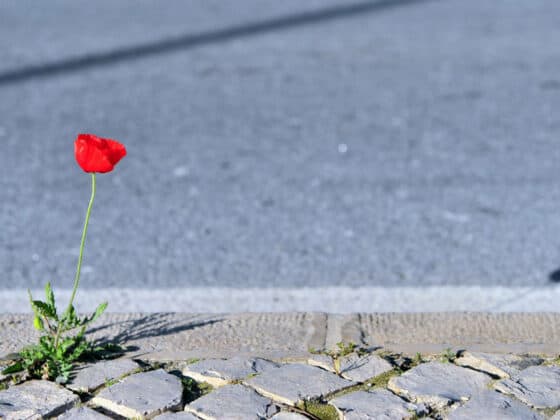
46, 344
69, 319
31, 302
50, 299
98, 312
38, 323
67, 343
81, 349
44, 309
16, 367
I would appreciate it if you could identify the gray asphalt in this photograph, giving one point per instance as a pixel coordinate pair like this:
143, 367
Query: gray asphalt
282, 144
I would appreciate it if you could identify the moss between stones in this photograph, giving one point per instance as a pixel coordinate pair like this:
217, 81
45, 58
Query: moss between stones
193, 390
400, 360
318, 410
552, 361
382, 380
418, 359
111, 382
547, 412
379, 381
448, 355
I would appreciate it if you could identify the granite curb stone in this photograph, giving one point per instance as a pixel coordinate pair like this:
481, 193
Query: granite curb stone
180, 336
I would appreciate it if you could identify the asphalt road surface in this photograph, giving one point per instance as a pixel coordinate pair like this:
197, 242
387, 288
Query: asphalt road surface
315, 144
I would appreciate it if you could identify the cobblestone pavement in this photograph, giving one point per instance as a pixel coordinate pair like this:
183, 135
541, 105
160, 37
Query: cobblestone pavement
347, 383
301, 365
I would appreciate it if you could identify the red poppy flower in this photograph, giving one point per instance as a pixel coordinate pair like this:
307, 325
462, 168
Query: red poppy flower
95, 154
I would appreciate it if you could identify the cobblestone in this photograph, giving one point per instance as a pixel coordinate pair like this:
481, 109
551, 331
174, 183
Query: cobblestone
35, 399
234, 402
537, 386
360, 369
292, 383
92, 377
261, 389
321, 360
142, 395
181, 415
82, 413
220, 372
438, 384
493, 405
285, 415
377, 404
498, 365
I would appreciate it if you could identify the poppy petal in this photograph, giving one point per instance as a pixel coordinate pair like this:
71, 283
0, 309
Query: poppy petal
96, 154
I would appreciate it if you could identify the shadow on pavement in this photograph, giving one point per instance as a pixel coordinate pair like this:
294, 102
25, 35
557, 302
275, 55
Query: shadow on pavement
190, 41
150, 325
554, 277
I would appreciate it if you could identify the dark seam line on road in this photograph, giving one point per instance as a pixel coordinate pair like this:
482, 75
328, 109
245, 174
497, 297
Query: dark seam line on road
190, 41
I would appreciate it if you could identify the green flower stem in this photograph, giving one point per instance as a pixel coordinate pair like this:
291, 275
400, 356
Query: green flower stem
84, 233
79, 267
